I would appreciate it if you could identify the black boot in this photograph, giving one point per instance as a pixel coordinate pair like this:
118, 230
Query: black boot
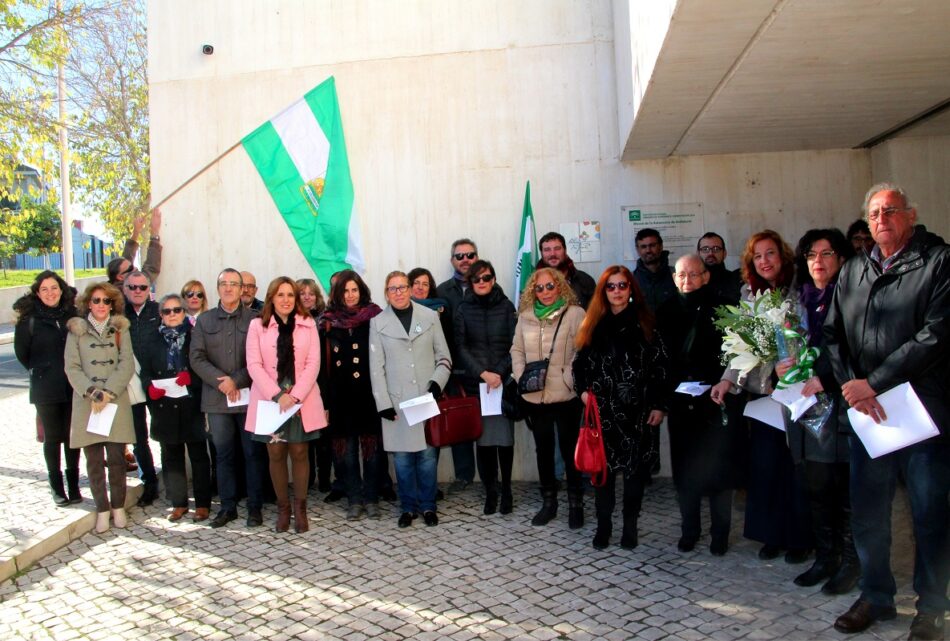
629, 538
823, 530
507, 501
849, 572
57, 490
575, 509
605, 528
72, 485
491, 498
548, 507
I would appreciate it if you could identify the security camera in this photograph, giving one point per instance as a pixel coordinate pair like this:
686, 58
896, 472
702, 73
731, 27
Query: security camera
207, 50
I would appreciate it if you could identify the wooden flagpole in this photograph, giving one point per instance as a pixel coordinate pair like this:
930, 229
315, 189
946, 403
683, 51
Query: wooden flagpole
198, 173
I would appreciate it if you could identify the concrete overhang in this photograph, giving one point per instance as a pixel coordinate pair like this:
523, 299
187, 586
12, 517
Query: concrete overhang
735, 76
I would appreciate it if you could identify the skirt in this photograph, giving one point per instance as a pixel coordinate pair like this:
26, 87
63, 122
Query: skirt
497, 431
290, 432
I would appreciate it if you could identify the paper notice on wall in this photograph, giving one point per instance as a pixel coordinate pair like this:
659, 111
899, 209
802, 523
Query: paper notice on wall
680, 225
583, 240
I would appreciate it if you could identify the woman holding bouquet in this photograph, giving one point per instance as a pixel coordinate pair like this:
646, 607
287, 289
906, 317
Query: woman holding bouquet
623, 361
822, 463
776, 511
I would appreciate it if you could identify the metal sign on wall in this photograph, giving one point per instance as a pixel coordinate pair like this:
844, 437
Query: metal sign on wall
680, 225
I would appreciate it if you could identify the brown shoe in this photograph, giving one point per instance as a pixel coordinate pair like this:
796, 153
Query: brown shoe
201, 514
927, 625
177, 513
862, 614
283, 516
301, 524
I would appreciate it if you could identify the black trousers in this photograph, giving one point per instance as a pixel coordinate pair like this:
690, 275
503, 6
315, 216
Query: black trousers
176, 479
605, 497
564, 420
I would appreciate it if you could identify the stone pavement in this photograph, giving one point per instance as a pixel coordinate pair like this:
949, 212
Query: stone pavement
472, 577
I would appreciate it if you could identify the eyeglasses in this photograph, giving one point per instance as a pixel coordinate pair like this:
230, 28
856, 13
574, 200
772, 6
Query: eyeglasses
813, 256
168, 311
198, 295
887, 212
398, 289
711, 250
685, 275
622, 286
547, 286
140, 288
228, 283
100, 301
248, 286
468, 255
485, 278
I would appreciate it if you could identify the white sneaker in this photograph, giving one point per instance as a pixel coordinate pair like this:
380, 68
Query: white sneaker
102, 522
118, 515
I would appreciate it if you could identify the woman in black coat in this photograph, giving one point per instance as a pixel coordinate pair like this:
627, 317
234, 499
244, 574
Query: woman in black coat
39, 340
177, 423
484, 329
622, 360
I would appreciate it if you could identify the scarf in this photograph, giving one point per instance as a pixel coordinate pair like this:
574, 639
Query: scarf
816, 303
543, 312
286, 372
346, 318
175, 340
96, 325
435, 304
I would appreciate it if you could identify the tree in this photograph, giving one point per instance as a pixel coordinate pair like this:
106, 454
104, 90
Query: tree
34, 228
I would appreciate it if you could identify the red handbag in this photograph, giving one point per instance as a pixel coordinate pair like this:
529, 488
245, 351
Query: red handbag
459, 421
589, 456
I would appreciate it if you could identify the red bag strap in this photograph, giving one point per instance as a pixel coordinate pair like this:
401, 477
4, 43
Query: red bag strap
592, 420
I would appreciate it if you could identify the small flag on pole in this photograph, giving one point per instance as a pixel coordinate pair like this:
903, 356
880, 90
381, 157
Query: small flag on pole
301, 156
527, 256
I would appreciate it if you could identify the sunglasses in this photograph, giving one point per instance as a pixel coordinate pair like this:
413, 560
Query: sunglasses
100, 301
468, 255
140, 288
486, 278
622, 286
128, 270
168, 311
198, 295
548, 286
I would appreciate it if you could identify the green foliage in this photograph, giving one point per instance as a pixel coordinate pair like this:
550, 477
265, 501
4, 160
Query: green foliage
35, 228
20, 277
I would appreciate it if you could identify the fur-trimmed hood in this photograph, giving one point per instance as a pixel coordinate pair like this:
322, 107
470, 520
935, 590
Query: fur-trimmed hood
80, 326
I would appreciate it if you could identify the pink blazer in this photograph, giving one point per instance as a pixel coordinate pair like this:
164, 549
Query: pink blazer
262, 366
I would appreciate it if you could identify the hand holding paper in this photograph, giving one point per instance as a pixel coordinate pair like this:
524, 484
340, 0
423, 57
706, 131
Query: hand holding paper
419, 409
491, 399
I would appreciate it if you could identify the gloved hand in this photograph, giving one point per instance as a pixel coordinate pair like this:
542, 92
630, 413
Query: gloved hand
434, 389
389, 414
155, 393
183, 378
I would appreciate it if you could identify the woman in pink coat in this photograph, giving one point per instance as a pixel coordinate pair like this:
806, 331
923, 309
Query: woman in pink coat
283, 358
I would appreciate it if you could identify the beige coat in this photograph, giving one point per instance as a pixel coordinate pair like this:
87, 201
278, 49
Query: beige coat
97, 361
533, 343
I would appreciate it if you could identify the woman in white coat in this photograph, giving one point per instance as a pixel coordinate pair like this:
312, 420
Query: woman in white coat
408, 357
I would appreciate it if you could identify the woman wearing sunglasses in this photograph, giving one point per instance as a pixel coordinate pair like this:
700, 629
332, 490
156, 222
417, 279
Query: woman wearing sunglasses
484, 329
99, 366
623, 361
196, 300
177, 421
548, 321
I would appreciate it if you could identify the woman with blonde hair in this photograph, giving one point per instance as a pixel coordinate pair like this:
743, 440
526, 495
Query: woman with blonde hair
99, 366
196, 299
548, 319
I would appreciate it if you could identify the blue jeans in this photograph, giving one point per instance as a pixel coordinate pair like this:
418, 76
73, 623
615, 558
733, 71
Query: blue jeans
463, 458
416, 474
226, 431
141, 450
360, 487
926, 469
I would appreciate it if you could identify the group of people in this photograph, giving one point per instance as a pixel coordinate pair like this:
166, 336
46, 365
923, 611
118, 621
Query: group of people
875, 304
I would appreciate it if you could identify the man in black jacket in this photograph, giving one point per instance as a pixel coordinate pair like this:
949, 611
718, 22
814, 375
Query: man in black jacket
889, 324
553, 249
726, 283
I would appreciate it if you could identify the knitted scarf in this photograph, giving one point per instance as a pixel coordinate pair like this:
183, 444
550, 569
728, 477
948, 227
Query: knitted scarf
175, 340
286, 373
96, 325
346, 318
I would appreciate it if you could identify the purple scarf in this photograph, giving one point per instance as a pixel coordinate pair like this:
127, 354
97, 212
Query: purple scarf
346, 318
816, 303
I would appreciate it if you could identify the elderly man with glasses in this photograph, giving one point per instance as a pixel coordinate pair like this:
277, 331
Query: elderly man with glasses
249, 292
889, 324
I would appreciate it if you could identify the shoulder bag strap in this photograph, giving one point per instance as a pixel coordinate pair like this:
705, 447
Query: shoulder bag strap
554, 340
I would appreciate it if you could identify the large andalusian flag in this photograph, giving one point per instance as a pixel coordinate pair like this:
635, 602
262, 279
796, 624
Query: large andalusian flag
301, 155
527, 256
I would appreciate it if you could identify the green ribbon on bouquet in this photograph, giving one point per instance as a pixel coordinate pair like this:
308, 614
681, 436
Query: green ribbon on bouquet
803, 369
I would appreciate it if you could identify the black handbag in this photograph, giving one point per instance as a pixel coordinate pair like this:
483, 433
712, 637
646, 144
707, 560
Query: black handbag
535, 373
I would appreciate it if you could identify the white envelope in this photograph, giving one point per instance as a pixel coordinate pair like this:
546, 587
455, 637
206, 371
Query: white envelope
907, 422
243, 399
172, 389
270, 418
767, 411
419, 408
101, 423
491, 399
693, 388
791, 397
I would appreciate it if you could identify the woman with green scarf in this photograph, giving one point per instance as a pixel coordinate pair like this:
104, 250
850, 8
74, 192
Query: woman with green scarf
548, 319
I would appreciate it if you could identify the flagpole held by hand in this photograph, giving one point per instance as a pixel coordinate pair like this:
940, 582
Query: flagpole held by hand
198, 173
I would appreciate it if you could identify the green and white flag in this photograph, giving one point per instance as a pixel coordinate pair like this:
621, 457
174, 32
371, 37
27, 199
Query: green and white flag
527, 256
301, 155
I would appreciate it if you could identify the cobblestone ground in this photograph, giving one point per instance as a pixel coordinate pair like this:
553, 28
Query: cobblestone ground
474, 576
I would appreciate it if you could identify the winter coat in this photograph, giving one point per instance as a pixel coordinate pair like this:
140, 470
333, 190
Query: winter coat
218, 344
657, 287
142, 325
39, 340
174, 420
893, 327
103, 362
532, 342
402, 366
262, 366
452, 292
484, 329
345, 380
628, 375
